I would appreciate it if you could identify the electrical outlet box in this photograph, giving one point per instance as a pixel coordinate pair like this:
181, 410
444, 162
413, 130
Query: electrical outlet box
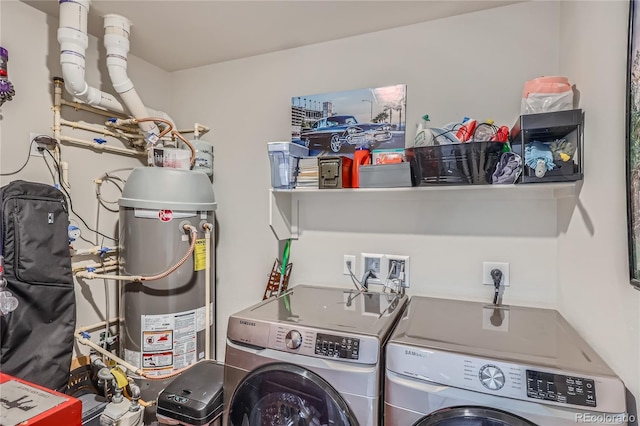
349, 259
34, 146
487, 267
373, 262
397, 271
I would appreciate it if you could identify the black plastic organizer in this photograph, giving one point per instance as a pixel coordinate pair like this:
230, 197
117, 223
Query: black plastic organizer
469, 163
547, 127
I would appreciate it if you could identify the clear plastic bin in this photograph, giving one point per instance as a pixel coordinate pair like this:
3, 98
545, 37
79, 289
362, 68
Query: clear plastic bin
284, 158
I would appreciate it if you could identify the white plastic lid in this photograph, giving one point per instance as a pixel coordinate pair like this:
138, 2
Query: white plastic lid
293, 149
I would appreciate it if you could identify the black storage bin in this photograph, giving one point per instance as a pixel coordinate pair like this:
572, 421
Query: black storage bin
469, 163
195, 397
547, 127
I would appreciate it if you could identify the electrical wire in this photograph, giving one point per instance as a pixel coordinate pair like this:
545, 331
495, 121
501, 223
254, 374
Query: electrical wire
354, 279
113, 179
53, 177
394, 265
70, 201
25, 161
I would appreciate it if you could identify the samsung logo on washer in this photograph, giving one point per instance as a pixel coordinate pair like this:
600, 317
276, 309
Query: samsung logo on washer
410, 352
248, 323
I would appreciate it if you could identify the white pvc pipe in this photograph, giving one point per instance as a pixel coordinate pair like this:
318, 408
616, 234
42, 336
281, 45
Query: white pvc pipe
116, 41
73, 39
95, 129
99, 147
95, 250
111, 265
85, 107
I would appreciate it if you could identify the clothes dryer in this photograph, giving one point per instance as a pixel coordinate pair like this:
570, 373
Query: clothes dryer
452, 362
312, 356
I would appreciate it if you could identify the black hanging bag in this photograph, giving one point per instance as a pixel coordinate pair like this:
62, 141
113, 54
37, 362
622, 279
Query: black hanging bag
36, 339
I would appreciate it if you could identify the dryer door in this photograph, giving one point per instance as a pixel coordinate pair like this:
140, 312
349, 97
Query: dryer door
286, 394
472, 416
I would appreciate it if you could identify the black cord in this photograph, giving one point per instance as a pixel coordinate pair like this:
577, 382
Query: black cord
71, 203
53, 177
25, 162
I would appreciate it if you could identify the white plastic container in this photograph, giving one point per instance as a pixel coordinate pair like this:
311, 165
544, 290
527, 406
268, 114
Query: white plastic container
174, 158
284, 157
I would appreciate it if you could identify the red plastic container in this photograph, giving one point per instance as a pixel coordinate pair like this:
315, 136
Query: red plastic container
34, 405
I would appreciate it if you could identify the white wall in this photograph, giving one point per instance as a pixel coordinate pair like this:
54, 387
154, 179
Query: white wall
593, 285
473, 65
449, 74
30, 37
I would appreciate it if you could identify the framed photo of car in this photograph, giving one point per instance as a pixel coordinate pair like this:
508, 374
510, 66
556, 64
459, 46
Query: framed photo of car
338, 123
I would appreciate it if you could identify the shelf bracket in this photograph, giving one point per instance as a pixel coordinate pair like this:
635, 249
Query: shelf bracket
284, 215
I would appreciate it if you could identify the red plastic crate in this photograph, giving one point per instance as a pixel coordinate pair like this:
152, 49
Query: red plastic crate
28, 404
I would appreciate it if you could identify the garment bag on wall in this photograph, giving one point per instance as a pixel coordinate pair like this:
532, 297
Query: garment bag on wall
36, 339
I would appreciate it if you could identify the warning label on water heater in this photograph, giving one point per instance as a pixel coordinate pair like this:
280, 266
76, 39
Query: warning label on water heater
200, 255
169, 341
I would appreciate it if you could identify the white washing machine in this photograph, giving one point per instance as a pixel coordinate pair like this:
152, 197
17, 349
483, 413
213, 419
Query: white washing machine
453, 362
313, 356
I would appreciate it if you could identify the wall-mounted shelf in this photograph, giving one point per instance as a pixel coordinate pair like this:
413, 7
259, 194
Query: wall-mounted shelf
284, 212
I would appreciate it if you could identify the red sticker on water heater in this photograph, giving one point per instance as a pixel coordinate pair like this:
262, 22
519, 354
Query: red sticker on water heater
165, 215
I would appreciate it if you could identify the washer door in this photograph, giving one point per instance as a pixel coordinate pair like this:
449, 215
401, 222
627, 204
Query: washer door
472, 416
286, 394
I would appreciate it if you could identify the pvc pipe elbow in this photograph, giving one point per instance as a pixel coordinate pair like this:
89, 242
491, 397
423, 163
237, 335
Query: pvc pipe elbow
118, 74
73, 76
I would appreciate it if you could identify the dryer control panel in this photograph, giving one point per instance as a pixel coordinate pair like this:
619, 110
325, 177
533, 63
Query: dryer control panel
337, 346
561, 388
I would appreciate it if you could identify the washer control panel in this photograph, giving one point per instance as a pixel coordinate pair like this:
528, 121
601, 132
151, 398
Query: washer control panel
560, 388
507, 379
337, 346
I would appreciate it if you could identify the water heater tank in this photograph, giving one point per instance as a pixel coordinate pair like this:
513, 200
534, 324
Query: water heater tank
163, 327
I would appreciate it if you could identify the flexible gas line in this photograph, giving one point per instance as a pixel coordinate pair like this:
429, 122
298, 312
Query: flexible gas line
92, 275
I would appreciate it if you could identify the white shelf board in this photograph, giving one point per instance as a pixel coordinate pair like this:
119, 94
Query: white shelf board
285, 203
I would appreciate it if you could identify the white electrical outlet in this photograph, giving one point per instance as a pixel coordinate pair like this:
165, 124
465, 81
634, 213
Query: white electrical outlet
349, 259
487, 267
34, 146
373, 262
397, 270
